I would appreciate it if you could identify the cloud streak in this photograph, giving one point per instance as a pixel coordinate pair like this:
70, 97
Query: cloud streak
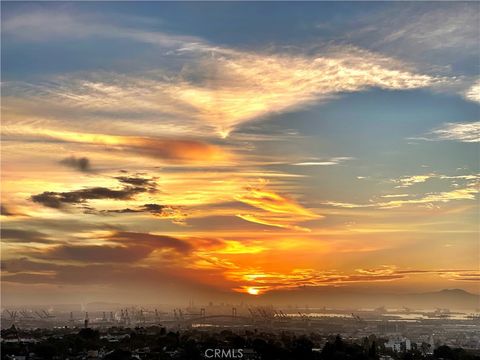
171, 150
24, 236
277, 210
151, 240
272, 202
57, 200
331, 161
98, 253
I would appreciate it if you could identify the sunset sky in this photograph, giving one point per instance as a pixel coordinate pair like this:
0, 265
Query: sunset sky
157, 152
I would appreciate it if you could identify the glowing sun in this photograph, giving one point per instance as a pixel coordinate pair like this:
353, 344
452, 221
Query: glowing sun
253, 291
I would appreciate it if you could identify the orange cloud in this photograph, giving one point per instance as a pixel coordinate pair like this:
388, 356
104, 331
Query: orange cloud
275, 222
297, 278
263, 282
278, 210
273, 202
165, 149
236, 247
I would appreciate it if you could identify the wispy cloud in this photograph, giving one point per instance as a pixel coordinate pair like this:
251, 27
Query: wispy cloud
395, 196
275, 221
218, 87
243, 86
467, 193
272, 202
468, 132
420, 32
278, 210
451, 27
326, 162
54, 24
437, 40
464, 132
473, 93
410, 180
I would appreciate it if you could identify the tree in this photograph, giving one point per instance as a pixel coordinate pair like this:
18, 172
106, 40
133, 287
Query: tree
119, 354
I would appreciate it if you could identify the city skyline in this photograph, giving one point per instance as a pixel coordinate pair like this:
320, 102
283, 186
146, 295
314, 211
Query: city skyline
171, 151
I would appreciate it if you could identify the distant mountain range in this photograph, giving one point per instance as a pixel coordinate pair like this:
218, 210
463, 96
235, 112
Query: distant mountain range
450, 298
347, 298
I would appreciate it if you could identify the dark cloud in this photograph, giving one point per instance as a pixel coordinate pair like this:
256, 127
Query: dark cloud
28, 278
152, 240
136, 181
66, 226
99, 253
57, 199
23, 236
5, 212
155, 209
26, 265
27, 271
81, 163
131, 186
119, 211
120, 247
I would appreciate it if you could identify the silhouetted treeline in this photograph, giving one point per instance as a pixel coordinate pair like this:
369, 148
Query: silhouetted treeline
155, 343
